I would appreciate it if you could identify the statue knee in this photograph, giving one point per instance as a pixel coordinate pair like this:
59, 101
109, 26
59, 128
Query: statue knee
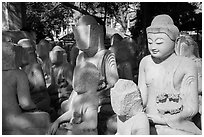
65, 106
112, 125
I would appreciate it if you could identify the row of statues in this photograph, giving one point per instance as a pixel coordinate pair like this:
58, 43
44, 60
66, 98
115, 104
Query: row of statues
43, 93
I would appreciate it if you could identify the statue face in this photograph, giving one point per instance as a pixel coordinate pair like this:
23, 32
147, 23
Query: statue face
56, 57
183, 48
82, 36
87, 37
31, 52
42, 49
25, 57
160, 45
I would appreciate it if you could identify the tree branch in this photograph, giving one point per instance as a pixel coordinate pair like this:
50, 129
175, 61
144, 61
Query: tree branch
67, 4
56, 6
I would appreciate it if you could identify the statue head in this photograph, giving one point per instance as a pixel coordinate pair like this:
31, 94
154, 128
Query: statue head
115, 38
65, 57
186, 46
56, 55
8, 56
29, 48
89, 35
161, 36
43, 48
85, 78
126, 98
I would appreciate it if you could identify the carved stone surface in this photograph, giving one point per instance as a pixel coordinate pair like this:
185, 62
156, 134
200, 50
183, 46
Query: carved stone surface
12, 15
16, 97
8, 56
16, 35
125, 96
56, 55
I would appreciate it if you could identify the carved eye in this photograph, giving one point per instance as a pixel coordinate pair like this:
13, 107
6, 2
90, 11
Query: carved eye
159, 41
150, 41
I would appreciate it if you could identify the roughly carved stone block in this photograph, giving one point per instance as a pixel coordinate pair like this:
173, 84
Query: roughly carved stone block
125, 97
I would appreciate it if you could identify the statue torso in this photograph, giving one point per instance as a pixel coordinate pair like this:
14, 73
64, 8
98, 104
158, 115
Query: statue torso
163, 85
96, 60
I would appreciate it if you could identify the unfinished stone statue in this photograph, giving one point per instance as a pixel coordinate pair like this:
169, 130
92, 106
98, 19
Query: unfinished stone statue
83, 111
187, 47
168, 83
35, 75
42, 50
73, 55
18, 116
89, 37
114, 41
127, 104
16, 35
122, 54
61, 77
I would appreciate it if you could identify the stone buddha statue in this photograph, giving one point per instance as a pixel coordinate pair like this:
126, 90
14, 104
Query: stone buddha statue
89, 36
19, 116
35, 75
168, 83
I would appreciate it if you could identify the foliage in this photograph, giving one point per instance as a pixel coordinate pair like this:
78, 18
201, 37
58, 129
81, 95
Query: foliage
46, 16
181, 12
120, 11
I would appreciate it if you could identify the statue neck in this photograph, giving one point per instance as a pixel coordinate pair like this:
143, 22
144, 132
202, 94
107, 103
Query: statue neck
164, 59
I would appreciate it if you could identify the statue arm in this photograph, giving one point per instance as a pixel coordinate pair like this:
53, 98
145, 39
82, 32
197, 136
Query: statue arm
64, 117
38, 77
199, 66
127, 70
142, 82
68, 74
111, 71
90, 117
23, 92
189, 94
52, 75
142, 129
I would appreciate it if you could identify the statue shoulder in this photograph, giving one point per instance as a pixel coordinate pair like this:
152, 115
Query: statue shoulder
187, 62
80, 58
145, 60
14, 74
35, 67
187, 65
20, 75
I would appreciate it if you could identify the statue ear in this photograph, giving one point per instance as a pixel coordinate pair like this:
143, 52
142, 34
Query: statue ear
177, 40
177, 45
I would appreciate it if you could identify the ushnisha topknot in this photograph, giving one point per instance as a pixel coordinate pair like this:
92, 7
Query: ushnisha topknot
58, 48
87, 20
164, 24
26, 43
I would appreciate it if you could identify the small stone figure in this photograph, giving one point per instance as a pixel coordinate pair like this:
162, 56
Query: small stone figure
89, 37
187, 47
73, 55
16, 35
61, 78
168, 83
18, 110
114, 41
120, 47
83, 110
35, 75
42, 50
127, 104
